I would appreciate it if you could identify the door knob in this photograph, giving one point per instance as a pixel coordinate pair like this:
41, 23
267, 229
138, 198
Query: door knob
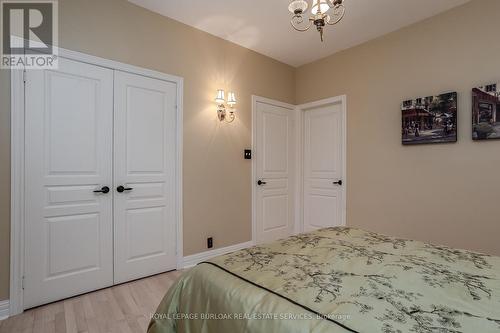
260, 183
104, 190
338, 183
121, 189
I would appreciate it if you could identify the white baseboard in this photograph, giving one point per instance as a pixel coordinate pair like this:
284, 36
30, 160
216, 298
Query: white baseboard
193, 260
4, 309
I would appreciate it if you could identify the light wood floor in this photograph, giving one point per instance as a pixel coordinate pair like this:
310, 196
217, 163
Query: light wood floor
120, 309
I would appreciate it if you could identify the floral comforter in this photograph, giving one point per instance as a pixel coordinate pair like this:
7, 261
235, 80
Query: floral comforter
338, 280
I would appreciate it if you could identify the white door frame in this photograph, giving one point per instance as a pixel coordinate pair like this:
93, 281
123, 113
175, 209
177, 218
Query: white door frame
255, 100
300, 109
17, 209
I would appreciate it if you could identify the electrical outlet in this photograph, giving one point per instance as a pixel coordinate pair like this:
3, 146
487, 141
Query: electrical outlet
210, 242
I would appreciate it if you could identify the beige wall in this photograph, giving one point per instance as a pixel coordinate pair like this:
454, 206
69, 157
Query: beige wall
217, 192
441, 193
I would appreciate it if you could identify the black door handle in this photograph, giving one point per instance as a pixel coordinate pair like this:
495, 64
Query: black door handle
338, 183
260, 183
121, 189
104, 190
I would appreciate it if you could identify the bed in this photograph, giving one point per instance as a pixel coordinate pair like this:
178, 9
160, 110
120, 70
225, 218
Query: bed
337, 280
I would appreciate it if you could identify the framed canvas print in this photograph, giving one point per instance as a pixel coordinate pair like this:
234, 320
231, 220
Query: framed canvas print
431, 119
486, 112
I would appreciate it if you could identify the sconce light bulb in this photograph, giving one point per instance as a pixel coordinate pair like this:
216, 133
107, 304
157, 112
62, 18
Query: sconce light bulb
231, 99
220, 97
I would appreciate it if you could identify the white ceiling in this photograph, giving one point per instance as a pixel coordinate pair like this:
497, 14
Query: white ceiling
264, 25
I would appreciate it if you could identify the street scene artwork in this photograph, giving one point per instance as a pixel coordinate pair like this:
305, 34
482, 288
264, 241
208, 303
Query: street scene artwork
486, 112
431, 119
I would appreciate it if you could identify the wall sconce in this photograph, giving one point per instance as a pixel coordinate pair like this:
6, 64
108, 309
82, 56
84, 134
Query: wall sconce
222, 111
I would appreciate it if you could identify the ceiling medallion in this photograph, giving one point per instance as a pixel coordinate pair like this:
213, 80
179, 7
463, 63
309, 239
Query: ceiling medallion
321, 14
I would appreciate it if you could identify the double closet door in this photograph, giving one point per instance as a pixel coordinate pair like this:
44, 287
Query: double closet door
100, 159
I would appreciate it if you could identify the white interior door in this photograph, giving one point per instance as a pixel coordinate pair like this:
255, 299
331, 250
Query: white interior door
323, 167
68, 230
144, 164
274, 156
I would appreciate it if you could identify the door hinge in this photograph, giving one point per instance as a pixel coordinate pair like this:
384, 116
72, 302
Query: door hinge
24, 76
22, 282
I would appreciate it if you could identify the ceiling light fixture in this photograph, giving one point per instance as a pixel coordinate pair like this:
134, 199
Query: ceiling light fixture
321, 14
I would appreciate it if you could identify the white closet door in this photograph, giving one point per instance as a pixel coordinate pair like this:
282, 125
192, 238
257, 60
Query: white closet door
323, 187
274, 171
68, 230
144, 164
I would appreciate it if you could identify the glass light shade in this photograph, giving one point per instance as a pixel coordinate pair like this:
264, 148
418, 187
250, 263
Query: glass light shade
231, 99
220, 97
298, 6
320, 6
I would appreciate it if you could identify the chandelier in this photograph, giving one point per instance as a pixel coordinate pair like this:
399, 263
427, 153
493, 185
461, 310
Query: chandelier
321, 14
